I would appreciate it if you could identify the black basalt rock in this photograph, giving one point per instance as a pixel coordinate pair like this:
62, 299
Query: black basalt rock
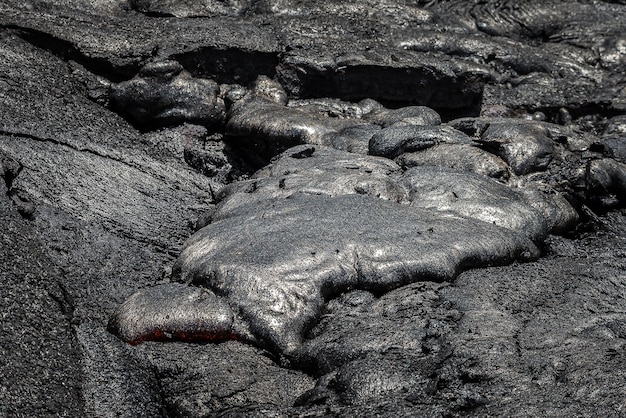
395, 140
317, 216
164, 94
474, 196
474, 266
174, 312
462, 157
308, 248
526, 148
607, 179
410, 115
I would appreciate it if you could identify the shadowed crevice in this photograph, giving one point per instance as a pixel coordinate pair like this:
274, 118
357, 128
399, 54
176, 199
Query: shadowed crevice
229, 65
68, 52
455, 96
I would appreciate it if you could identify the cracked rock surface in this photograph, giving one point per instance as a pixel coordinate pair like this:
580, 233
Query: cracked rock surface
321, 208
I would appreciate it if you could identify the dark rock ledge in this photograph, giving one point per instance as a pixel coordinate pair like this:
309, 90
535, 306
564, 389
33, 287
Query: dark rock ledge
285, 208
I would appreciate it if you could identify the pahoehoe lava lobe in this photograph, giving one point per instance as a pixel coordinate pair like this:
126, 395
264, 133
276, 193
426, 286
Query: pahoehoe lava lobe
174, 311
163, 93
318, 222
298, 252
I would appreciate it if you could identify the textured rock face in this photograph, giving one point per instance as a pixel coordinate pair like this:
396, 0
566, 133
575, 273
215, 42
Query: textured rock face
35, 307
182, 313
163, 94
306, 250
312, 208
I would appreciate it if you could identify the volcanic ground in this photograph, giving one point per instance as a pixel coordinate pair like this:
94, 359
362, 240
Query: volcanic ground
286, 208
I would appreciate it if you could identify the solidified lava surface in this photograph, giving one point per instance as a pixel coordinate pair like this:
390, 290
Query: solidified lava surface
312, 208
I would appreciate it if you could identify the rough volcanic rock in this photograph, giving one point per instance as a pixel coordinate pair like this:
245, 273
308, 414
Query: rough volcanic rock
80, 157
116, 45
393, 141
326, 221
525, 148
41, 372
118, 379
233, 378
163, 94
305, 251
550, 329
189, 8
457, 157
510, 113
614, 138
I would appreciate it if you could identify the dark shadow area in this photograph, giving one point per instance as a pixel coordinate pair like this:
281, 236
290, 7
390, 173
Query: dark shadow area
228, 66
453, 97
